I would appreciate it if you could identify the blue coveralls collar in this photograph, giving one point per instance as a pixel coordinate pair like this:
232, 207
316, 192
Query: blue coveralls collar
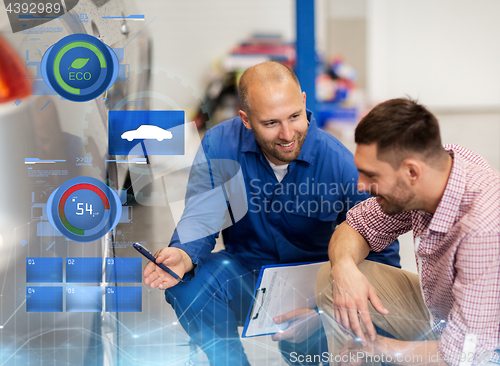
308, 152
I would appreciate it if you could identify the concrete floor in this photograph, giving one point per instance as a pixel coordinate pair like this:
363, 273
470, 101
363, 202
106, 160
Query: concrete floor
154, 336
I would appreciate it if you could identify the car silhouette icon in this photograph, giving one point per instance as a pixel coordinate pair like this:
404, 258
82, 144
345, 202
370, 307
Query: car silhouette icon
147, 132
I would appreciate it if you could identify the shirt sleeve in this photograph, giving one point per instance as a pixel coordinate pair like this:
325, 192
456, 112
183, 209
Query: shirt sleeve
378, 229
204, 211
472, 331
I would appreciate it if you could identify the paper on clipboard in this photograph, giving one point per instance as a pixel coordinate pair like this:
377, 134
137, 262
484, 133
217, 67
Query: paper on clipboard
280, 289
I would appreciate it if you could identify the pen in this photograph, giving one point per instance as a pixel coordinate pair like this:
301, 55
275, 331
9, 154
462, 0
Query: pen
141, 249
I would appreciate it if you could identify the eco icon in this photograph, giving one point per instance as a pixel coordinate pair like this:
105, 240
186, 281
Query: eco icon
79, 67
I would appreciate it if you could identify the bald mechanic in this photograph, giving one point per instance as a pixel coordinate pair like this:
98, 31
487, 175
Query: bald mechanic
299, 183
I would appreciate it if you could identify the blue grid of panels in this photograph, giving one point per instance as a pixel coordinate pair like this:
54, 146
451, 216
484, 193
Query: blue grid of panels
83, 298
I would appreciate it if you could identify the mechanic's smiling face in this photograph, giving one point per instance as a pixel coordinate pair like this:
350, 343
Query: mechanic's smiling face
278, 119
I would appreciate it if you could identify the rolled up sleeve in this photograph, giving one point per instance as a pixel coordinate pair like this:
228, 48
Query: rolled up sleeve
378, 229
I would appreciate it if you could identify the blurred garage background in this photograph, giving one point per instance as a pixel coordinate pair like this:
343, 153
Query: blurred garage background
187, 55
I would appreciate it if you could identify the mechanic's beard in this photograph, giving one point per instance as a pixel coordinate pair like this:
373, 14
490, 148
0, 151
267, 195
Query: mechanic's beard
270, 148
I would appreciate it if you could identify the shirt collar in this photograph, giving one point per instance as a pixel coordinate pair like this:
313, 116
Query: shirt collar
308, 151
448, 209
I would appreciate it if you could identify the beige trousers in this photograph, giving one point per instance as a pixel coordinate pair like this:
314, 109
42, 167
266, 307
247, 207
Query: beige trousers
399, 291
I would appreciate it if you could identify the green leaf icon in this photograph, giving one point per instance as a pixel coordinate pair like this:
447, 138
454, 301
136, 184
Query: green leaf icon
78, 63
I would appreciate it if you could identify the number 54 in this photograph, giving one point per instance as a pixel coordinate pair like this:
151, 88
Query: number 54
79, 208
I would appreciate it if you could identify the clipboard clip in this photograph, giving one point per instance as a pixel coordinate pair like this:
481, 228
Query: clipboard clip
260, 294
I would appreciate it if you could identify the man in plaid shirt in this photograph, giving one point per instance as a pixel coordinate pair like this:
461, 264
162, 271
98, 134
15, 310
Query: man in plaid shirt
450, 198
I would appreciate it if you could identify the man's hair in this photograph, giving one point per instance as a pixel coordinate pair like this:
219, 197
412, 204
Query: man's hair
264, 73
401, 128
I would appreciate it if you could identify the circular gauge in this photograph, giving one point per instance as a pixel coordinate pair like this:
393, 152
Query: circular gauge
79, 67
84, 209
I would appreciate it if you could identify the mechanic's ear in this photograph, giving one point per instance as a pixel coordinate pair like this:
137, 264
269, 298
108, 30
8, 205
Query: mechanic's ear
245, 119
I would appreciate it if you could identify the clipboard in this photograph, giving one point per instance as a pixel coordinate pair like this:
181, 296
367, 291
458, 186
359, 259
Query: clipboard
280, 289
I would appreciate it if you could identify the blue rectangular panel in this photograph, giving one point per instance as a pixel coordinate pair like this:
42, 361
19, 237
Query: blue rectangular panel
80, 270
124, 299
84, 299
124, 270
146, 132
44, 270
44, 299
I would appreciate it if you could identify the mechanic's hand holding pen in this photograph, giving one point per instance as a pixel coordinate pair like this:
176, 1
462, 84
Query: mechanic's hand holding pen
177, 260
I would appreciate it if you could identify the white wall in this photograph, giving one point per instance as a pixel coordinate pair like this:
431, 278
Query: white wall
340, 9
446, 53
346, 34
189, 35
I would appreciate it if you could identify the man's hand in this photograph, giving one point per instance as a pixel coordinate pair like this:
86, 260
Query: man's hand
174, 258
351, 292
354, 353
303, 323
392, 351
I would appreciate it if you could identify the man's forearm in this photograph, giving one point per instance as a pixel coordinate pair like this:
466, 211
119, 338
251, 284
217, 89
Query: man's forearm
346, 244
408, 353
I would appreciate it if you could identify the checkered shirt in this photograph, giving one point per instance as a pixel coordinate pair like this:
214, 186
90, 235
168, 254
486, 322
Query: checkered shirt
458, 255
